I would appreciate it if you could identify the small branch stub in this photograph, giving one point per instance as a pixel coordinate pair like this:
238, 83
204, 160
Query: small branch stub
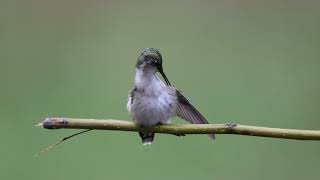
119, 125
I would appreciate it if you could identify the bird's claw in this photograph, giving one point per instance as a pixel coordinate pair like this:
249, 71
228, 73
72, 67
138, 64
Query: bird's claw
179, 135
231, 125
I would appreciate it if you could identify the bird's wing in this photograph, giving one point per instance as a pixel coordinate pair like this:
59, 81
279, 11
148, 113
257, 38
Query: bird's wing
188, 112
131, 98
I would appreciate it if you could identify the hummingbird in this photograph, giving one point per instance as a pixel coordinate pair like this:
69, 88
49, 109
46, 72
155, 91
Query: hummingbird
153, 102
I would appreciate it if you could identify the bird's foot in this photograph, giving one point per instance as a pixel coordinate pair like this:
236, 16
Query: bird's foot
231, 125
179, 135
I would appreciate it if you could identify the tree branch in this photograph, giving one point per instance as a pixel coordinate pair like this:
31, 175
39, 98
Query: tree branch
178, 129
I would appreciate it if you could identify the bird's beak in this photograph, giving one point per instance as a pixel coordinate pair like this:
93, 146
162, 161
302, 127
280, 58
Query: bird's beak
164, 75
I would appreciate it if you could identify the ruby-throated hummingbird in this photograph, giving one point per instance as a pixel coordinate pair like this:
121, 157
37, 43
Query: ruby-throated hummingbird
153, 102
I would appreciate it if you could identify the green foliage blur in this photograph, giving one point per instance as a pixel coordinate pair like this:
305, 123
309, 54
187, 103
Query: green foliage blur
248, 62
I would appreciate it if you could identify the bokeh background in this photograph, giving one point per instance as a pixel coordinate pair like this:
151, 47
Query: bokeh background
244, 61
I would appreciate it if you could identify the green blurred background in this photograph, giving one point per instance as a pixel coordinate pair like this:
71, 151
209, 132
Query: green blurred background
243, 61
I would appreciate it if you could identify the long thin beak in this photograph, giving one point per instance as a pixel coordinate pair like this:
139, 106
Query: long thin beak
164, 76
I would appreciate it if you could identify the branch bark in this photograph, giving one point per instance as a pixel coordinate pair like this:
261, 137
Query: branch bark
181, 129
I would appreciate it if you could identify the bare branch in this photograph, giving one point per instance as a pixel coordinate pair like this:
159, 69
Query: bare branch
181, 129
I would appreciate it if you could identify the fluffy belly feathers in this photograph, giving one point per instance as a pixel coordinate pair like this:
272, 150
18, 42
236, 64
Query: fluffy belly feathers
152, 110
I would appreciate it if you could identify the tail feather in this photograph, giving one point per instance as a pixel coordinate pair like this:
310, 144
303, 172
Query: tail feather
212, 136
147, 138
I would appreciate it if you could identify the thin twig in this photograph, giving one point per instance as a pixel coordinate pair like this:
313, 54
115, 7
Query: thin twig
47, 149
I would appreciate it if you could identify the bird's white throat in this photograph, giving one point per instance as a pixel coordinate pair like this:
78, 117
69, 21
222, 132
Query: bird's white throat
148, 80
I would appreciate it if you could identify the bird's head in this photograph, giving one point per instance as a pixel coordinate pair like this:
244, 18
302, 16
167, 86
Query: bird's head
150, 60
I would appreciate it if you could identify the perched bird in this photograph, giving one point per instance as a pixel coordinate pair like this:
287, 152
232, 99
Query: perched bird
153, 102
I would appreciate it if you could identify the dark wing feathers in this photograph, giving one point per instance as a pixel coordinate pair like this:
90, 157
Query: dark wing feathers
189, 113
131, 98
